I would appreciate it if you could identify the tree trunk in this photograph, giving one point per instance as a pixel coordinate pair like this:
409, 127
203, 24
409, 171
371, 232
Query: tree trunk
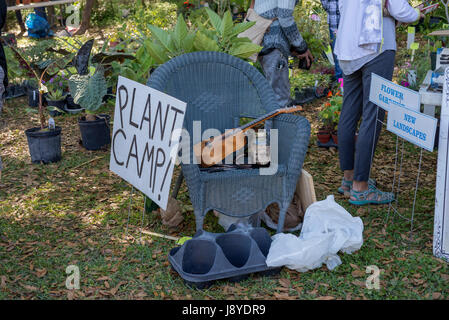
85, 22
51, 15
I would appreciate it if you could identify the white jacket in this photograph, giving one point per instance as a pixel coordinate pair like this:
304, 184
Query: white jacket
348, 34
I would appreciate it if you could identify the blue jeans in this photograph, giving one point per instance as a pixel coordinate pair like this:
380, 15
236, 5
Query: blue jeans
358, 155
338, 72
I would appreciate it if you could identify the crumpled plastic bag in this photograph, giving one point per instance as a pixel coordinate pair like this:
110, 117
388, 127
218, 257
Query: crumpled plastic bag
327, 229
37, 26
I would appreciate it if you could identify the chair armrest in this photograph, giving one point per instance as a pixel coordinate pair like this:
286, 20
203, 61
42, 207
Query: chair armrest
293, 141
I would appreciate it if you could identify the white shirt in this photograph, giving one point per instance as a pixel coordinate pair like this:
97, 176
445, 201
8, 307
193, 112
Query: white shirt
350, 55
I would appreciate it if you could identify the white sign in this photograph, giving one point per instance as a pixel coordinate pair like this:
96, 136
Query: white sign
441, 222
387, 94
147, 129
415, 127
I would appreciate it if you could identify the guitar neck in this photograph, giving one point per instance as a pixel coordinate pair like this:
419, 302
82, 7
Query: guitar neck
255, 122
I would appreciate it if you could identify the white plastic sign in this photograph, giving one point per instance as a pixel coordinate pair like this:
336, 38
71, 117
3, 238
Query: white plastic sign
147, 129
387, 94
441, 222
415, 127
410, 36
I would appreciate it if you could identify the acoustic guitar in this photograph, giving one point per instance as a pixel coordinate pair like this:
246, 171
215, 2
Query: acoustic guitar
231, 141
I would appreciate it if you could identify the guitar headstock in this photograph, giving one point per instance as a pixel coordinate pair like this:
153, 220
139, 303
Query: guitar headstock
290, 109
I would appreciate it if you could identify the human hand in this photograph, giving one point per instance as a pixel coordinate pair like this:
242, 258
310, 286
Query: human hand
307, 55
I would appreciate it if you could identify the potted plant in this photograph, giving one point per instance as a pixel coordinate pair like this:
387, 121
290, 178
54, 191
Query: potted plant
57, 94
44, 142
88, 91
330, 116
88, 87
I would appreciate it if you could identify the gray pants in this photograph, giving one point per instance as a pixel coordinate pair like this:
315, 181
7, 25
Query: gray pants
275, 68
358, 155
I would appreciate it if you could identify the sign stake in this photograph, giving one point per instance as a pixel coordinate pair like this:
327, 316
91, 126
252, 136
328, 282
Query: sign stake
416, 192
129, 208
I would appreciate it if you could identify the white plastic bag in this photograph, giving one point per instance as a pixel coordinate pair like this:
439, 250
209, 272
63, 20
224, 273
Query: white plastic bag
327, 229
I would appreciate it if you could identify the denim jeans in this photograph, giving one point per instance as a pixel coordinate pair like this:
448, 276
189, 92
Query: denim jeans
358, 155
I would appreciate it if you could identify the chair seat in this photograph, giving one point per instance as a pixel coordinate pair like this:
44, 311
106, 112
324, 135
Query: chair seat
238, 173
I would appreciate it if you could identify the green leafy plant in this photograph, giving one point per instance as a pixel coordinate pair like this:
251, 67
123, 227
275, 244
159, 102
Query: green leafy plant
88, 91
87, 82
56, 87
302, 79
216, 34
330, 114
222, 34
311, 20
52, 68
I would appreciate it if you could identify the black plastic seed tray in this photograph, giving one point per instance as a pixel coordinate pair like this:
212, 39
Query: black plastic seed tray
233, 256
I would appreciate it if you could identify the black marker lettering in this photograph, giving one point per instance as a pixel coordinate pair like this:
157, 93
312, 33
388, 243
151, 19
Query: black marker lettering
134, 155
113, 146
176, 110
121, 105
161, 125
131, 122
159, 164
145, 118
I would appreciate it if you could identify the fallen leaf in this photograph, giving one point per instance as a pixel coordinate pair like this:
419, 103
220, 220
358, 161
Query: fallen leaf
436, 295
41, 272
358, 273
30, 288
285, 283
326, 298
3, 280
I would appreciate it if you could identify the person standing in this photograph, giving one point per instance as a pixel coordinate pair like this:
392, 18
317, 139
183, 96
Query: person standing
366, 43
333, 18
280, 41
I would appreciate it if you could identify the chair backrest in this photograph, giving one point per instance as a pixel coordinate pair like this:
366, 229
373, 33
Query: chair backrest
219, 89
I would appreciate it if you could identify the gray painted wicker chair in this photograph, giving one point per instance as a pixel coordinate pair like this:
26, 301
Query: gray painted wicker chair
219, 89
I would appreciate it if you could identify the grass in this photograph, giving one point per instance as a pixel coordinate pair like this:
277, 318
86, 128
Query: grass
73, 213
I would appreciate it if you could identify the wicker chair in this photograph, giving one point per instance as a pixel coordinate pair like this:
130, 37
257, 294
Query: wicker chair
219, 90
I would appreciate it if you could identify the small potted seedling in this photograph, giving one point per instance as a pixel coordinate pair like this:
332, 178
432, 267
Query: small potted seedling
57, 94
44, 142
329, 117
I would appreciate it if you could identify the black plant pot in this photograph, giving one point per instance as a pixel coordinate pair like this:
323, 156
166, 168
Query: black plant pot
33, 98
71, 106
95, 134
14, 91
108, 95
60, 104
44, 146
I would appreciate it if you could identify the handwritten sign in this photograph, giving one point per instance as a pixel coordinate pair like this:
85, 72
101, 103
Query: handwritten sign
441, 222
147, 129
387, 94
